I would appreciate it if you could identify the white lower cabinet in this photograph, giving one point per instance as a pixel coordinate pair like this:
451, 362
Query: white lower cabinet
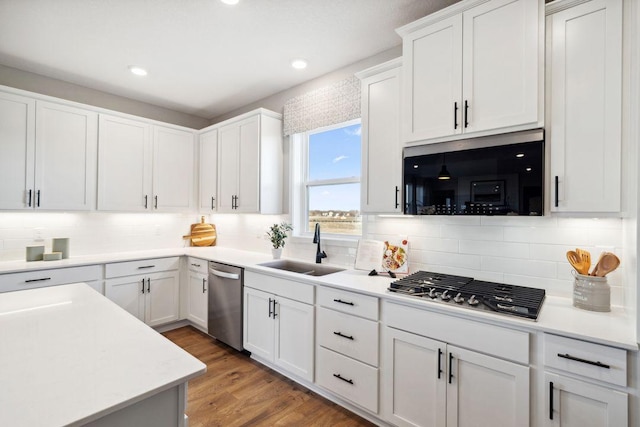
574, 403
278, 329
198, 293
153, 297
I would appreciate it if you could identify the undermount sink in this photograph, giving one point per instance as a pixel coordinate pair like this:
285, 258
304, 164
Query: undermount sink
305, 268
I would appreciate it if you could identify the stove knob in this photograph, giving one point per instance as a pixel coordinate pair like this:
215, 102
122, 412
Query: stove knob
432, 293
445, 296
458, 298
473, 301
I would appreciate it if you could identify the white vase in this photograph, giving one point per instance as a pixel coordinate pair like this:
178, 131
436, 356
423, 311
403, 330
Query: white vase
276, 252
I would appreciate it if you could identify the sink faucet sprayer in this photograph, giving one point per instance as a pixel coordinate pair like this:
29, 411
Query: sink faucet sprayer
316, 239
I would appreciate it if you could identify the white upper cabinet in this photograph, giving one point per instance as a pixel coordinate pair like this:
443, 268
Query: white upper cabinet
48, 155
173, 169
209, 170
124, 171
381, 147
17, 151
66, 157
250, 164
584, 106
144, 167
471, 69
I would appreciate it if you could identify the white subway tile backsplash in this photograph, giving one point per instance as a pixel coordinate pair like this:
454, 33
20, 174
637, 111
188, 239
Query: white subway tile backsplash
524, 267
466, 232
434, 244
500, 249
553, 235
450, 260
519, 221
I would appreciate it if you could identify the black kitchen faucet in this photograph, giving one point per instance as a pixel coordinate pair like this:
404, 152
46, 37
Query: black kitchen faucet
316, 239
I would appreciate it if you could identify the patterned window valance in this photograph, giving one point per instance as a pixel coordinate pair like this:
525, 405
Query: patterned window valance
326, 106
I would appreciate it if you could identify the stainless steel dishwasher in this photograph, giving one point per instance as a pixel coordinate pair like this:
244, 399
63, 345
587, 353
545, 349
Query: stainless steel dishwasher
225, 303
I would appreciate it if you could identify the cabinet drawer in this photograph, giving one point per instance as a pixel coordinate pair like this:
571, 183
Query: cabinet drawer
198, 265
42, 278
348, 302
291, 289
600, 362
348, 378
144, 266
349, 335
502, 342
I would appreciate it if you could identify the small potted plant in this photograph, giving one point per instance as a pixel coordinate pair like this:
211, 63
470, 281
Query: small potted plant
277, 234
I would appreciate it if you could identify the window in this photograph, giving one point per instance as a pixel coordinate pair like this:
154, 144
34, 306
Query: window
326, 175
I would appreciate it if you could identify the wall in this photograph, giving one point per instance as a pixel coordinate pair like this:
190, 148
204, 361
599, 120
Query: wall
276, 101
47, 86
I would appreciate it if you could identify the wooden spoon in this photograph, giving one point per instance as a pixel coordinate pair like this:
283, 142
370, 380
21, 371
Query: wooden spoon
576, 261
607, 264
585, 256
595, 267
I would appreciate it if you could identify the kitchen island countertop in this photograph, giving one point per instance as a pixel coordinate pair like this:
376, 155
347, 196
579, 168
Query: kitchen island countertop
70, 356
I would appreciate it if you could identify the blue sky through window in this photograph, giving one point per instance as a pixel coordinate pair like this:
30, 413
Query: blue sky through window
335, 154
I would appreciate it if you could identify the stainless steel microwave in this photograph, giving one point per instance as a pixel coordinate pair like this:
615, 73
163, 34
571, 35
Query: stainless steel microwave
492, 175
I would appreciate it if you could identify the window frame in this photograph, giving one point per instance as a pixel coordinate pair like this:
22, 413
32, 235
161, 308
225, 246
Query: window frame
301, 183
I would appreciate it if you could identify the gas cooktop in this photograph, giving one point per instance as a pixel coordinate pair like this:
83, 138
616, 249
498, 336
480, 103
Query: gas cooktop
466, 292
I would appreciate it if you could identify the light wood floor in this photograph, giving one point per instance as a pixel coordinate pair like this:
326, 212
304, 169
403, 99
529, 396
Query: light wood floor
237, 391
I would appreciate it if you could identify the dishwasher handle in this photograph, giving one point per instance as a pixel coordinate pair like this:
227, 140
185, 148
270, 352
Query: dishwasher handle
224, 274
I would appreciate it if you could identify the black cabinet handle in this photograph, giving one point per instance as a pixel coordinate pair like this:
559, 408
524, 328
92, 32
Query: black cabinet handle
203, 283
44, 279
338, 376
397, 191
142, 267
38, 198
270, 312
550, 400
588, 362
148, 286
556, 191
155, 202
274, 308
143, 286
146, 199
455, 115
29, 204
450, 367
466, 113
340, 334
439, 362
343, 302
195, 265
212, 206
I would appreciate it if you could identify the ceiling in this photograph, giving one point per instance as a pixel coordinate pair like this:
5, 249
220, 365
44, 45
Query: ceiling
204, 58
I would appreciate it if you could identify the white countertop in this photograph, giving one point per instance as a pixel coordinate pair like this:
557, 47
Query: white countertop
558, 315
68, 356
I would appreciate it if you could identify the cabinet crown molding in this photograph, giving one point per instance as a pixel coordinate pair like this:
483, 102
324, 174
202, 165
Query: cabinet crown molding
560, 5
454, 9
385, 66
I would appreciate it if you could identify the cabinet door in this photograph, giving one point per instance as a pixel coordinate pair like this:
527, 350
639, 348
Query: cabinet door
580, 404
197, 299
294, 337
17, 151
500, 64
249, 166
381, 149
128, 293
124, 165
66, 157
258, 327
432, 81
173, 169
162, 298
209, 170
485, 391
585, 98
414, 379
228, 151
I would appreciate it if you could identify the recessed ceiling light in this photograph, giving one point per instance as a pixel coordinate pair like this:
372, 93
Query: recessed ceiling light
528, 169
138, 71
415, 166
519, 155
231, 2
299, 64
